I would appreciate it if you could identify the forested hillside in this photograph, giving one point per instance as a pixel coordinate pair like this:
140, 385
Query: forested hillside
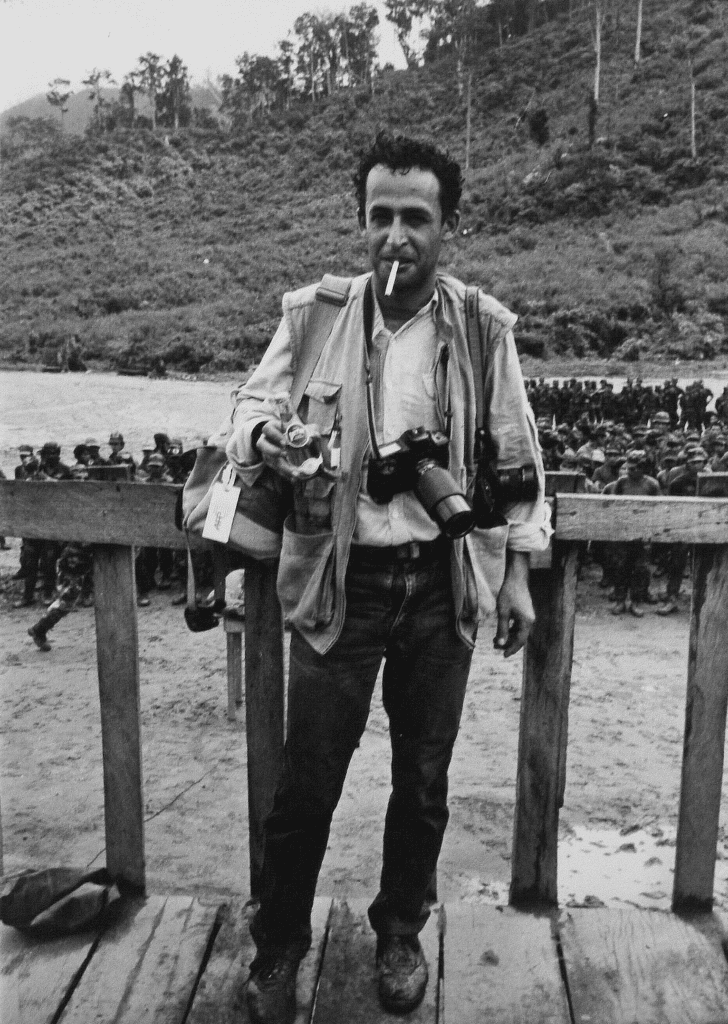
605, 226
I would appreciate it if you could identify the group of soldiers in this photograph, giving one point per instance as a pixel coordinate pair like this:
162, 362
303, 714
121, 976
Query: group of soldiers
571, 400
648, 454
63, 572
642, 440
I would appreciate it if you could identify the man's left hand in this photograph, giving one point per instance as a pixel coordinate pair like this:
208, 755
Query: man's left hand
514, 606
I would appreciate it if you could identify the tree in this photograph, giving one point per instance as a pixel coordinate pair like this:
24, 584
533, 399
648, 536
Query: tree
127, 97
95, 81
150, 75
406, 16
255, 90
173, 102
286, 63
358, 43
59, 94
638, 34
599, 8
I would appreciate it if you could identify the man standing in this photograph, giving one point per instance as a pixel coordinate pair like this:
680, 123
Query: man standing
39, 557
631, 567
377, 580
684, 483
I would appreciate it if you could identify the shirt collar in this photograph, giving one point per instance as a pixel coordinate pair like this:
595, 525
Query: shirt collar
429, 309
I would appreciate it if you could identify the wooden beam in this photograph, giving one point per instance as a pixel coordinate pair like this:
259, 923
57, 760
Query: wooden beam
234, 628
542, 742
642, 966
117, 654
145, 968
264, 702
623, 518
91, 512
501, 967
704, 739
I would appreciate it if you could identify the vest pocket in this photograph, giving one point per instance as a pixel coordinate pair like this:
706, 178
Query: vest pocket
306, 577
322, 398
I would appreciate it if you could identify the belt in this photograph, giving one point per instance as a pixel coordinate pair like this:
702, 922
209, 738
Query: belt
413, 551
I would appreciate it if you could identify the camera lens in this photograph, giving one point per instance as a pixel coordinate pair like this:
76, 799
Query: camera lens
443, 501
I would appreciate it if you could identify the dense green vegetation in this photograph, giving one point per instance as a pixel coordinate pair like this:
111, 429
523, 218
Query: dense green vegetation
180, 244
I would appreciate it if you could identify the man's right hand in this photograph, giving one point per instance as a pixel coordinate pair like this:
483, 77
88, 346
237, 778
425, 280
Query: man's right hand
272, 451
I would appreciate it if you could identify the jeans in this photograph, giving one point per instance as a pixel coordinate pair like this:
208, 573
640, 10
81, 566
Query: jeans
402, 612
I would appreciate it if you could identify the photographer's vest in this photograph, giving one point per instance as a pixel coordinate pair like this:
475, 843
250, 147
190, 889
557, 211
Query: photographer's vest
313, 566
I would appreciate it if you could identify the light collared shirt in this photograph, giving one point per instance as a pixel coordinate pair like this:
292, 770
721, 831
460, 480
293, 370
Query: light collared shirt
403, 372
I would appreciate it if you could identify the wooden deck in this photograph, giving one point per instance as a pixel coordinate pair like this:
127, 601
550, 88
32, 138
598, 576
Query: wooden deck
175, 960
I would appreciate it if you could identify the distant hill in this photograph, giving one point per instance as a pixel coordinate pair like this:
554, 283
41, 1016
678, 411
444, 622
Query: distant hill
80, 108
180, 245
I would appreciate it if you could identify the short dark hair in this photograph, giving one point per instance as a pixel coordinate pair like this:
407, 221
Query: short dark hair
400, 153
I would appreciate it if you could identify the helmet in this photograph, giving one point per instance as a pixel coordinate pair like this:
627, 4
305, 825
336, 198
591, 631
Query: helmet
661, 417
637, 456
51, 448
25, 449
91, 442
116, 437
155, 459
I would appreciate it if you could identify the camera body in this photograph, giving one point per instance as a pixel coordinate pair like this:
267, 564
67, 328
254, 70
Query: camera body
396, 469
496, 488
417, 461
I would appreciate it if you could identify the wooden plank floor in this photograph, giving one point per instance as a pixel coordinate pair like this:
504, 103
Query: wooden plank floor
176, 960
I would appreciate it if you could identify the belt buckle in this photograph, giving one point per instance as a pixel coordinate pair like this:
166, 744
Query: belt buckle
409, 551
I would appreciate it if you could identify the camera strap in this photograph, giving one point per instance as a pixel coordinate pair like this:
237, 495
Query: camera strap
483, 444
368, 335
368, 343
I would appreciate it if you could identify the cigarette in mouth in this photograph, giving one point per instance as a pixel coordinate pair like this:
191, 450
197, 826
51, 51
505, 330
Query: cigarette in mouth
392, 275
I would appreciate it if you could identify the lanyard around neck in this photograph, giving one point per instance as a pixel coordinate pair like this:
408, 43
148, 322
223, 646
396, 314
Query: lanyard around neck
368, 344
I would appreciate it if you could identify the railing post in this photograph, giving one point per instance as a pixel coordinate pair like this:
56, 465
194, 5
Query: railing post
264, 702
117, 653
704, 740
543, 730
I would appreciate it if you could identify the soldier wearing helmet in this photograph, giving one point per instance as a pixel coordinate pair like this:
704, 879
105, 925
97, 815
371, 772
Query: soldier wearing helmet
683, 482
73, 582
153, 565
28, 466
38, 557
631, 567
93, 449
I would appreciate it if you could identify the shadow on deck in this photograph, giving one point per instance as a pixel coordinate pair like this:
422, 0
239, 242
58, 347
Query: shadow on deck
175, 960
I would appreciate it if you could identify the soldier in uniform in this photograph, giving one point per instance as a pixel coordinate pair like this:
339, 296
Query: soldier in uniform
684, 482
631, 568
73, 580
154, 565
38, 557
93, 448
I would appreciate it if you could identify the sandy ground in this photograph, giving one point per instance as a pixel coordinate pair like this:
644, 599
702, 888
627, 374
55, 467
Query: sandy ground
617, 825
626, 721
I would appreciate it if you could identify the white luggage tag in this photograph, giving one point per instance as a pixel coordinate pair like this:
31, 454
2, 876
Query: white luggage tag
223, 504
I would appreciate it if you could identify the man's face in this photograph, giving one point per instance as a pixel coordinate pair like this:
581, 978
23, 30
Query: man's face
403, 221
635, 470
116, 446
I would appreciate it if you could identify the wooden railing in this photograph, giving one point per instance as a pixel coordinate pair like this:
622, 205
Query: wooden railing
117, 517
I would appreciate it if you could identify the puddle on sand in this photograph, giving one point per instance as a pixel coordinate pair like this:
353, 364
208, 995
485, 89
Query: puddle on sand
609, 867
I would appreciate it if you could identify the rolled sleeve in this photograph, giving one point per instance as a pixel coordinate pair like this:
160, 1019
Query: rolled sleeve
255, 400
513, 430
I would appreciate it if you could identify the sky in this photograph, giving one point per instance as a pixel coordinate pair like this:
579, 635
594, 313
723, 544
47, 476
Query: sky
45, 39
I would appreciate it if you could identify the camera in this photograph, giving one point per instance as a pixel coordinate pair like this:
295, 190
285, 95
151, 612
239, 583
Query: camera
495, 488
417, 461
